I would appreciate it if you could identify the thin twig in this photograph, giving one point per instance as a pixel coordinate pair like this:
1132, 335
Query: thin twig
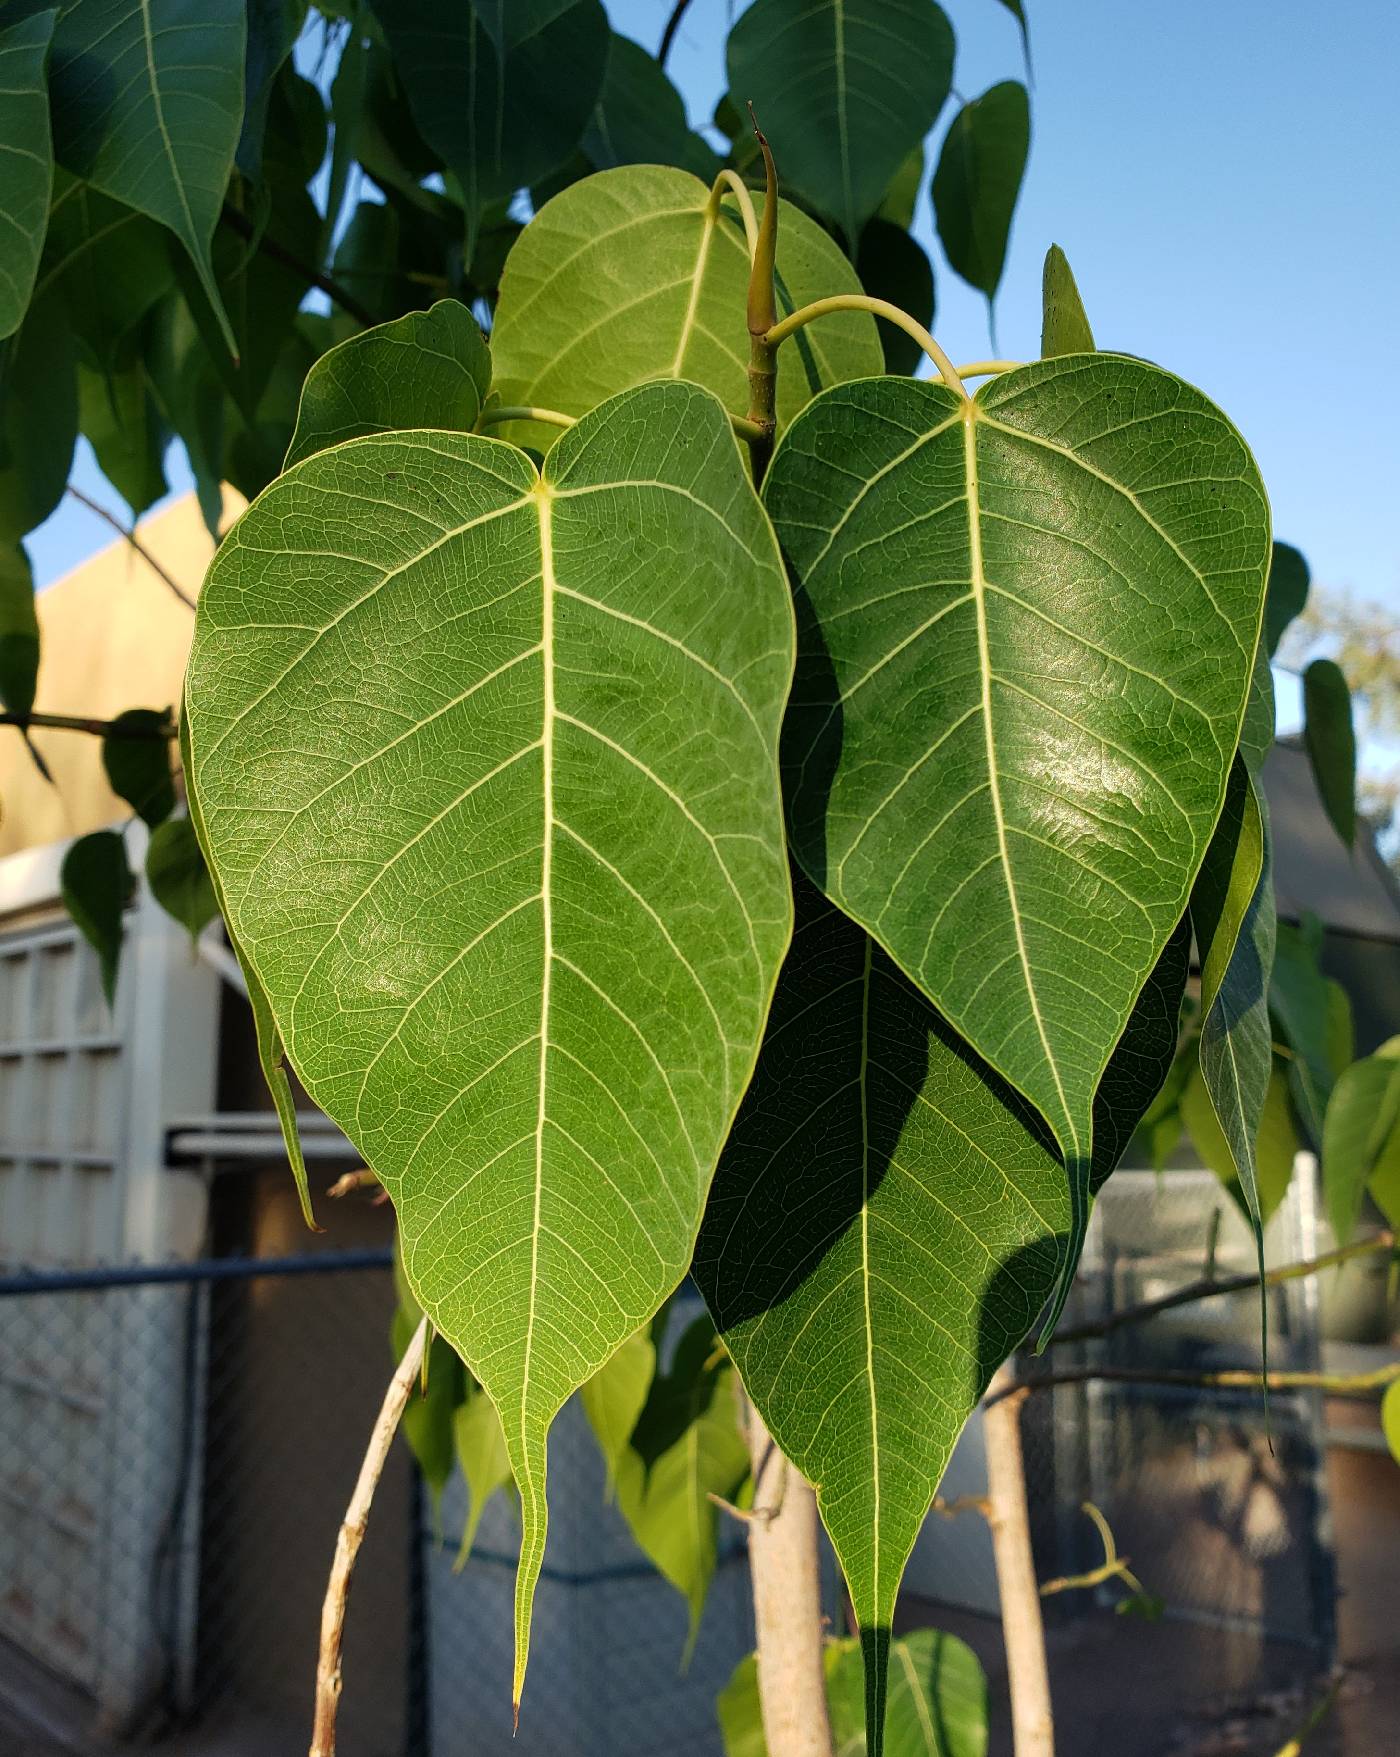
95, 728
136, 544
1210, 1288
673, 24
314, 277
347, 1544
1233, 1379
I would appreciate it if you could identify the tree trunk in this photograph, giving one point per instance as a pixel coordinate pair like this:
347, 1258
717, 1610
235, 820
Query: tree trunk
786, 1601
1032, 1721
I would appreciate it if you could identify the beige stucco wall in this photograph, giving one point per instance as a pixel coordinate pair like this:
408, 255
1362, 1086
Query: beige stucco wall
113, 636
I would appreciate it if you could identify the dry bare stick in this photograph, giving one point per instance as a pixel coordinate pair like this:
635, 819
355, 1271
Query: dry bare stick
351, 1536
135, 543
1023, 1629
787, 1609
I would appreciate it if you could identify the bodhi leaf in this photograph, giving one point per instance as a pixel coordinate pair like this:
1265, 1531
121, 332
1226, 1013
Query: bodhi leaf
481, 1452
1363, 1117
38, 417
147, 105
501, 89
1064, 327
507, 853
178, 877
19, 630
977, 181
1331, 743
121, 420
882, 1180
1000, 751
571, 329
136, 756
1289, 580
26, 161
107, 263
640, 118
428, 369
1272, 1151
847, 89
892, 265
96, 884
937, 1705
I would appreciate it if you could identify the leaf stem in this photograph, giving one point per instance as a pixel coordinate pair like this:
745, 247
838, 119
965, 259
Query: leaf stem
735, 184
351, 1536
988, 368
135, 543
762, 316
878, 308
501, 412
95, 728
673, 24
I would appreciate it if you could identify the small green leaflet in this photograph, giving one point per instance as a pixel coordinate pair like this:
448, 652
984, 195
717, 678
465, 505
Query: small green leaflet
428, 369
937, 1706
881, 1179
953, 784
503, 845
159, 128
480, 1448
136, 757
96, 884
26, 161
846, 90
178, 877
1331, 743
614, 1397
1361, 1134
977, 181
641, 273
19, 630
1289, 580
1064, 327
501, 89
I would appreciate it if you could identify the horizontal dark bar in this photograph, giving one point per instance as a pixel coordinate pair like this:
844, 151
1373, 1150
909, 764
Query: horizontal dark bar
208, 1269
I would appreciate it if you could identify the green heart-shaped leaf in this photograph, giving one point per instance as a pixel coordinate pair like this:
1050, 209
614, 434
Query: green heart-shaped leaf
26, 161
579, 319
487, 768
1027, 628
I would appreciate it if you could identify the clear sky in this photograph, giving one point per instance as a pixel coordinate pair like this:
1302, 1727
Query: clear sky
1224, 176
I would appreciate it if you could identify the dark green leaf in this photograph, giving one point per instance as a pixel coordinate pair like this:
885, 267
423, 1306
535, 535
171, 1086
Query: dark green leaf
845, 90
19, 630
902, 196
178, 877
1272, 1150
881, 1234
122, 422
273, 28
952, 784
147, 104
1064, 327
1142, 1063
565, 337
96, 886
978, 179
640, 118
138, 768
1257, 732
502, 91
38, 418
454, 798
107, 263
892, 266
191, 400
1331, 743
26, 161
428, 369
1299, 1002
1289, 579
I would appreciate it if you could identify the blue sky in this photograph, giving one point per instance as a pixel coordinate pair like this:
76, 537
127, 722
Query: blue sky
1223, 176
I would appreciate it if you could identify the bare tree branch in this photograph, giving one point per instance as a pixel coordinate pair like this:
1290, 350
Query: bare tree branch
130, 537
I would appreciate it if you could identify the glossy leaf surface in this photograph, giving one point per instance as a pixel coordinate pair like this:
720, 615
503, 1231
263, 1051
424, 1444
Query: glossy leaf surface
428, 369
977, 181
26, 161
497, 824
580, 319
1000, 751
881, 1234
1331, 743
147, 107
501, 89
845, 89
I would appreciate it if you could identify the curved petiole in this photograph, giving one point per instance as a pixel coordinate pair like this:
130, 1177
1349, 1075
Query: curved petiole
735, 184
877, 308
499, 413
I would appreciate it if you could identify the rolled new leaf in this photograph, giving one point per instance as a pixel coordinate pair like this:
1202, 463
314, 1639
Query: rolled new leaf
1027, 630
486, 762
